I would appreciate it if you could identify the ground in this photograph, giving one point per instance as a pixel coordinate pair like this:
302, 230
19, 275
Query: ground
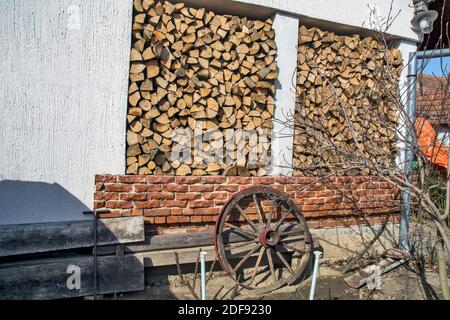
399, 284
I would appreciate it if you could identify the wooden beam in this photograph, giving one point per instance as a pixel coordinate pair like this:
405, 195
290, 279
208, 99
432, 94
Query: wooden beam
70, 277
189, 255
43, 237
178, 241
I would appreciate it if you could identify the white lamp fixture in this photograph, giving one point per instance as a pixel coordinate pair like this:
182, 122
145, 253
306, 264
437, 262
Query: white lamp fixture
423, 19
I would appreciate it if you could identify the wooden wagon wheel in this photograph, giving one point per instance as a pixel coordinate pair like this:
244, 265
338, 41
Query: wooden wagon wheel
264, 223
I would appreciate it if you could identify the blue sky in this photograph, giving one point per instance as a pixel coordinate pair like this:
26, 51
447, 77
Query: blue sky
434, 66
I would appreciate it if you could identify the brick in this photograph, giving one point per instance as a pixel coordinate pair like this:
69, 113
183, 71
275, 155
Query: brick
172, 219
314, 201
132, 179
174, 203
325, 193
105, 178
207, 218
99, 186
196, 219
147, 204
201, 188
175, 188
112, 214
184, 219
229, 188
188, 196
99, 204
147, 187
279, 187
188, 180
118, 187
214, 179
220, 203
159, 220
137, 212
158, 212
149, 220
133, 196
216, 196
188, 211
245, 187
263, 180
176, 211
201, 204
113, 204
162, 195
240, 180
106, 196
286, 180
205, 211
160, 179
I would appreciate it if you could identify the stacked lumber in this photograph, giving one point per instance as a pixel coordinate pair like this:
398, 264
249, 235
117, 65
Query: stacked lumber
343, 80
193, 68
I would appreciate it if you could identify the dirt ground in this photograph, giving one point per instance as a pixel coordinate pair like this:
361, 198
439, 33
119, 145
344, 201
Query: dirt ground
399, 284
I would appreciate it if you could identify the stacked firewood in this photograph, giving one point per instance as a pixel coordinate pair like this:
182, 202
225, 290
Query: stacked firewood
193, 68
346, 89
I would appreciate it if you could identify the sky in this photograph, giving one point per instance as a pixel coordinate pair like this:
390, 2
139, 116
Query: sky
433, 66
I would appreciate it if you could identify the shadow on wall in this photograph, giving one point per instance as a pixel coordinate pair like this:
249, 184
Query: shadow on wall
34, 202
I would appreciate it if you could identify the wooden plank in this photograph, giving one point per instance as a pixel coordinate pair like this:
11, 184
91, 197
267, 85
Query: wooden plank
189, 255
70, 277
43, 237
178, 241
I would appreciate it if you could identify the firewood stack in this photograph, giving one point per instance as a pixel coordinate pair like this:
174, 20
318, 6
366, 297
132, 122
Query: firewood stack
192, 67
343, 73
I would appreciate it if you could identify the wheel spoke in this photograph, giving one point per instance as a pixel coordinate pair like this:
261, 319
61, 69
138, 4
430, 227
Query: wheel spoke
250, 222
246, 257
294, 232
272, 269
240, 244
258, 209
269, 218
239, 230
258, 262
283, 259
283, 217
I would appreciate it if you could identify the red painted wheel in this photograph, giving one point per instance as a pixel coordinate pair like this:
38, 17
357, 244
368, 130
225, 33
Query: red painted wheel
264, 224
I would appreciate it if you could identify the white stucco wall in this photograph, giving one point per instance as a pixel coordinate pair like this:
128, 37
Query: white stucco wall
352, 13
63, 97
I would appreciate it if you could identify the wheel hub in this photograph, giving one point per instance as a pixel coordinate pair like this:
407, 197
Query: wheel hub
268, 237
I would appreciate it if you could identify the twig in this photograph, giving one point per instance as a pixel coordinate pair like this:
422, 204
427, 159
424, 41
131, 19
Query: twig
183, 281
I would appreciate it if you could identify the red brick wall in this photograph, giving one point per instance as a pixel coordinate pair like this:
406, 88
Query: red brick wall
190, 204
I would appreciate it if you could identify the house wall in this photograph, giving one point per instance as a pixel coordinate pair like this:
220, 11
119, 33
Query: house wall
64, 68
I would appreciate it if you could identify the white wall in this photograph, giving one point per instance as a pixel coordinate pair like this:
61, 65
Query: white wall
63, 98
351, 13
286, 29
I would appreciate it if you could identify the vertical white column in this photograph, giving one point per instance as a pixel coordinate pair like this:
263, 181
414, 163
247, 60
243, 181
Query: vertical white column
405, 47
286, 35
